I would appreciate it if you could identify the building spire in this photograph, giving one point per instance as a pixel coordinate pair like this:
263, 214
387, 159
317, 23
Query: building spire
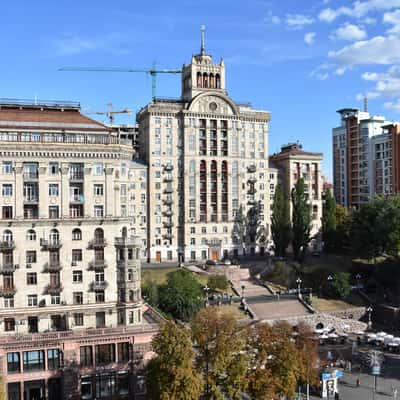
202, 49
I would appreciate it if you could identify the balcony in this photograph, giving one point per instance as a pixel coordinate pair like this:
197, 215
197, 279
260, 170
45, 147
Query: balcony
8, 268
252, 202
53, 288
168, 167
133, 241
76, 176
7, 245
168, 178
252, 168
168, 190
252, 191
98, 285
8, 291
31, 176
52, 266
168, 201
77, 198
97, 265
168, 213
168, 224
52, 244
97, 243
168, 236
31, 199
252, 180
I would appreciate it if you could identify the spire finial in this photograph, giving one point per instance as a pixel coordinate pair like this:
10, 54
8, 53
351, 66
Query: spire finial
202, 50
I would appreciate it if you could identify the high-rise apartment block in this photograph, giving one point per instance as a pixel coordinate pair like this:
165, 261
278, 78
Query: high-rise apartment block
207, 160
365, 157
72, 321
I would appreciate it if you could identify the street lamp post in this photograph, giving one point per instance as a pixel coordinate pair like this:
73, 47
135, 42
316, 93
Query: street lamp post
299, 281
369, 311
330, 279
206, 289
243, 287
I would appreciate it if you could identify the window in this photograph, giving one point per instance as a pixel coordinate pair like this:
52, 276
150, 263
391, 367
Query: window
131, 317
53, 168
7, 190
100, 298
32, 300
54, 212
86, 355
30, 256
76, 234
193, 241
53, 189
77, 276
13, 362
169, 255
55, 299
105, 353
78, 297
53, 359
192, 255
31, 278
7, 167
98, 189
123, 189
98, 211
9, 302
78, 319
100, 319
9, 324
33, 360
192, 229
7, 212
76, 255
124, 212
30, 235
98, 169
123, 352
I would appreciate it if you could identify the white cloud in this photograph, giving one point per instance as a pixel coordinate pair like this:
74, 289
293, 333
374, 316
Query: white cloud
350, 32
321, 73
387, 84
298, 21
379, 50
309, 38
393, 18
359, 9
395, 106
275, 20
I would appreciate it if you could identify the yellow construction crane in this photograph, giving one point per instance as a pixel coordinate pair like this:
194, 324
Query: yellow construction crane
110, 113
152, 72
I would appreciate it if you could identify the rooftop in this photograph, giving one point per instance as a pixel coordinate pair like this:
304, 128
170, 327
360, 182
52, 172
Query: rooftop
295, 149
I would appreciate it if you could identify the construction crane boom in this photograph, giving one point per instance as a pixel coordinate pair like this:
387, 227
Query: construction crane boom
152, 72
110, 113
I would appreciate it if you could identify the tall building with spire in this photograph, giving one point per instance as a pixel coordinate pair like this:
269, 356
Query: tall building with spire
207, 159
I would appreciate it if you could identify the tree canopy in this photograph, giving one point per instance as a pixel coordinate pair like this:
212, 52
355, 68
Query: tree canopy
171, 375
280, 222
329, 221
301, 220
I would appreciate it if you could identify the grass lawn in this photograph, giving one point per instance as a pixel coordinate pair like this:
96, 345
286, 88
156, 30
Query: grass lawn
158, 275
322, 304
234, 310
331, 262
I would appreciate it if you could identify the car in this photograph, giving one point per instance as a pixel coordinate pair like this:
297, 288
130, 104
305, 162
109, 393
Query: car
316, 253
211, 262
227, 261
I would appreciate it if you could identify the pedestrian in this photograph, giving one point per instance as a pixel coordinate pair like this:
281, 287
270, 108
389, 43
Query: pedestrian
358, 382
336, 396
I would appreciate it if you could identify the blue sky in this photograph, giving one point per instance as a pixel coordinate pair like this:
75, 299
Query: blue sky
301, 60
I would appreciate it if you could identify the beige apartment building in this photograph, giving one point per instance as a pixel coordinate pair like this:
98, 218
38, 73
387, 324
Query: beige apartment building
292, 163
207, 160
73, 207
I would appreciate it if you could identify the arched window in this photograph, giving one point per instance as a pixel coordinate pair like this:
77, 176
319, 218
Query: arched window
7, 236
54, 236
217, 81
76, 234
30, 235
199, 80
98, 234
205, 80
212, 81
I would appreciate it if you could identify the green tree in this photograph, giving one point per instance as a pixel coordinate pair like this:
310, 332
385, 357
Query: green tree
329, 221
182, 295
301, 220
343, 228
340, 287
218, 282
171, 375
150, 293
280, 222
221, 357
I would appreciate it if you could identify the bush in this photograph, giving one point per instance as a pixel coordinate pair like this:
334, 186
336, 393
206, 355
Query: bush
340, 287
151, 293
218, 282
